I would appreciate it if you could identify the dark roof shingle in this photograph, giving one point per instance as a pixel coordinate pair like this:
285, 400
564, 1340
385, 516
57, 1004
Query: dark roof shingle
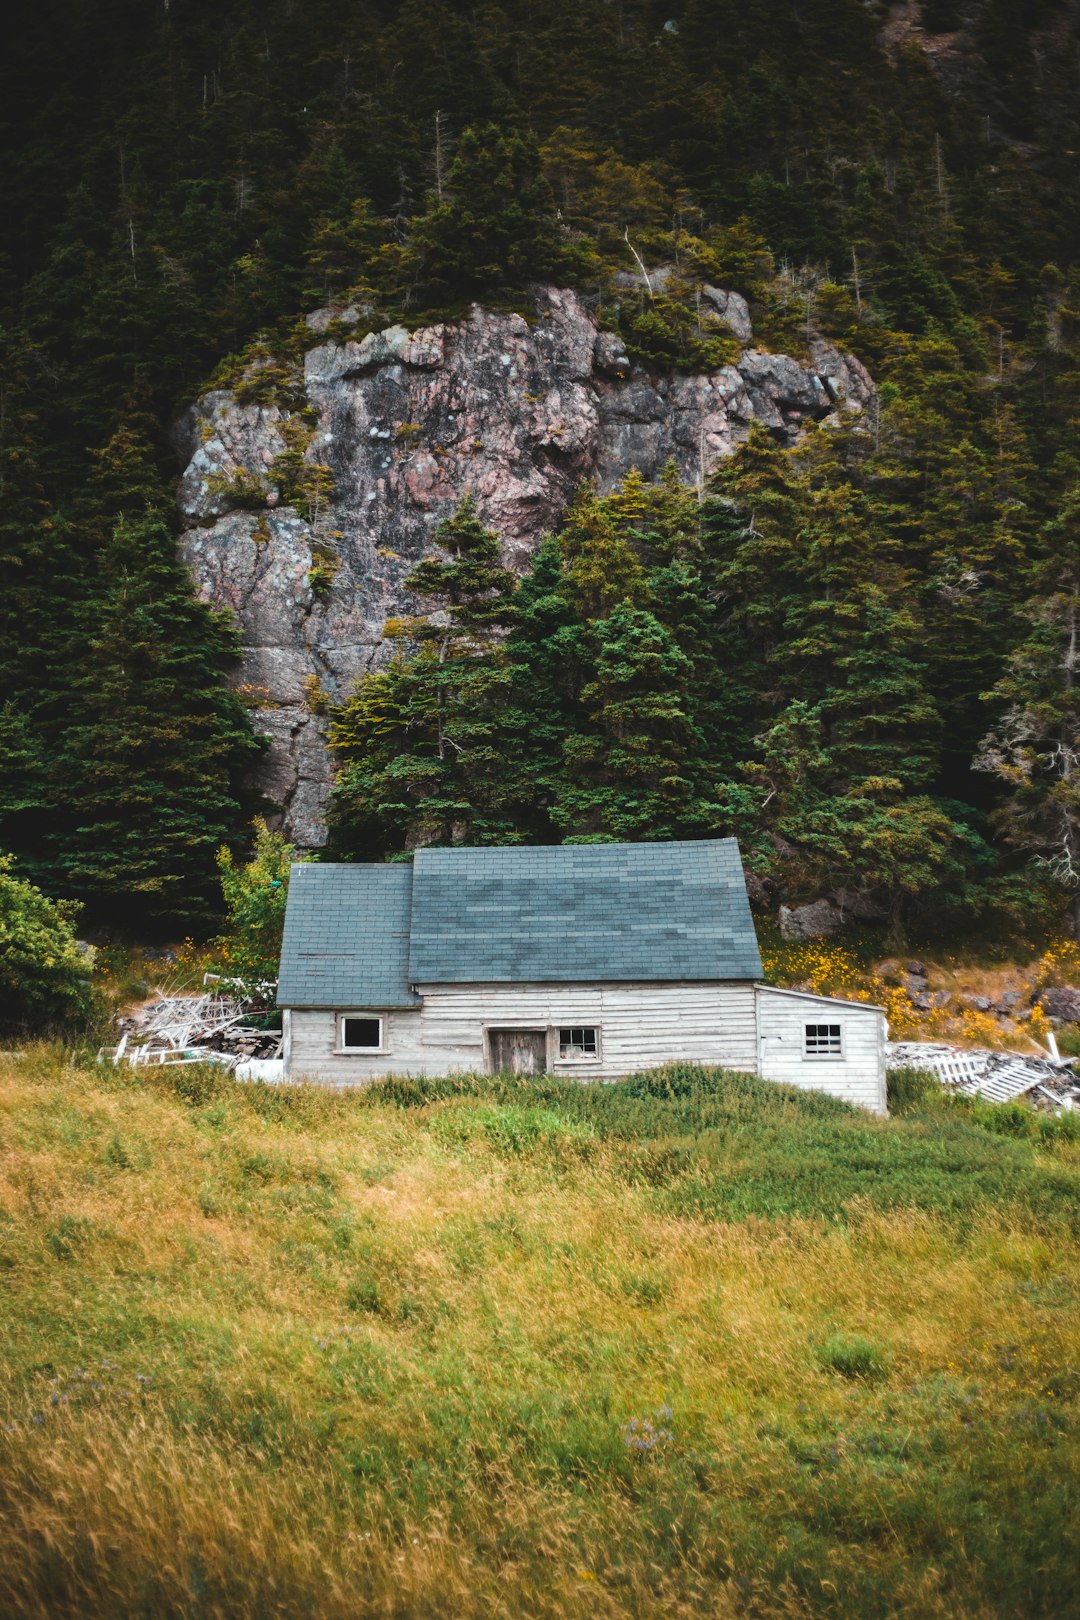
360, 936
346, 941
577, 912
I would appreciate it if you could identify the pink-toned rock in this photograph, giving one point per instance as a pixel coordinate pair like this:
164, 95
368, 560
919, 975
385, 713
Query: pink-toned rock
516, 411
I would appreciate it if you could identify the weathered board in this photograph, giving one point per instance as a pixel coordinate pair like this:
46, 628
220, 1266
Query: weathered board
481, 1027
517, 1051
857, 1075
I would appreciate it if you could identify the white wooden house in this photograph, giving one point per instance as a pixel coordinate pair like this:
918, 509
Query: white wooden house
594, 960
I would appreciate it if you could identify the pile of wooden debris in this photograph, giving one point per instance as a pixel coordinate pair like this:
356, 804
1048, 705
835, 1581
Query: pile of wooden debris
998, 1076
188, 1027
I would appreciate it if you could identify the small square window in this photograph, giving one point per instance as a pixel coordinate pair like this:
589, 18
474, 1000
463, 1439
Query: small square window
579, 1043
823, 1040
361, 1034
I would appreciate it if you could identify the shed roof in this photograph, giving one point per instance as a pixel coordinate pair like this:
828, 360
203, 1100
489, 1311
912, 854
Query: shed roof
579, 912
346, 941
361, 936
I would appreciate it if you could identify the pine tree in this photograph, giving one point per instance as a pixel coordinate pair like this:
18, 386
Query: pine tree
149, 770
494, 231
601, 563
1035, 747
24, 786
417, 743
627, 773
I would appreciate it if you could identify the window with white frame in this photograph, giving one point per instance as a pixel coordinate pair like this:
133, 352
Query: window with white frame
824, 1041
359, 1032
578, 1041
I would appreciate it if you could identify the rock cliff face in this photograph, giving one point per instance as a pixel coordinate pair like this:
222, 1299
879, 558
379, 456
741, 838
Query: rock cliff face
516, 410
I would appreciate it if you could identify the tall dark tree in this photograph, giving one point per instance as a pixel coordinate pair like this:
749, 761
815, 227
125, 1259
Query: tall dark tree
1035, 747
151, 768
494, 230
417, 743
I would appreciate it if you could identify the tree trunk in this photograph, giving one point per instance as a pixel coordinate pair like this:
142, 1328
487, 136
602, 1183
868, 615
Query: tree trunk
895, 937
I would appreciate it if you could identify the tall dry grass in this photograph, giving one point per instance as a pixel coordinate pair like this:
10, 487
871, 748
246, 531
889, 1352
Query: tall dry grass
484, 1351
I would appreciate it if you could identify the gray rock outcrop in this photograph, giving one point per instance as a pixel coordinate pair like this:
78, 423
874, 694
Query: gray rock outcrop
819, 919
1063, 1003
518, 411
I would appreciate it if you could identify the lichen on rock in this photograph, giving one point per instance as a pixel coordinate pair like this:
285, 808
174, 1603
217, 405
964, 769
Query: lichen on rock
517, 411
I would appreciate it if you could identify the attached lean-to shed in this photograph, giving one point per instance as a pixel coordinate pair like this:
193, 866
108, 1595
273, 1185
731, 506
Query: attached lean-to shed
594, 960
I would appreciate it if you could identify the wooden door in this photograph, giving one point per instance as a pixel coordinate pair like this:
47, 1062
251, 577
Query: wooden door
517, 1051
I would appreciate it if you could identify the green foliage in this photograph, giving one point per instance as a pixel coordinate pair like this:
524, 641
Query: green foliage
910, 1088
44, 973
925, 219
418, 742
236, 491
303, 482
609, 698
255, 892
154, 748
492, 230
670, 333
1035, 750
854, 1358
325, 563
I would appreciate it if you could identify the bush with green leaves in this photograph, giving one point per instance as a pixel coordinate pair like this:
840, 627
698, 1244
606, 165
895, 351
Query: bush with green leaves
255, 895
44, 971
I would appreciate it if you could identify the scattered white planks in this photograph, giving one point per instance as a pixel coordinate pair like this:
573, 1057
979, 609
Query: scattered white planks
982, 1072
192, 1028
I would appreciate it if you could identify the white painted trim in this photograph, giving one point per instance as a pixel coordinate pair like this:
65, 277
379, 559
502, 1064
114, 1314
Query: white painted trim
823, 1057
583, 1057
341, 1050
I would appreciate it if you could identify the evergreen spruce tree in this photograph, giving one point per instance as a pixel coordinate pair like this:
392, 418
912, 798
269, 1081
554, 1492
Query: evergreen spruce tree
1035, 747
24, 786
156, 748
494, 230
627, 773
417, 743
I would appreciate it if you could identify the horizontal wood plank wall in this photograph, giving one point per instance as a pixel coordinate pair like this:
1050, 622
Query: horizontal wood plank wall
641, 1025
857, 1077
314, 1037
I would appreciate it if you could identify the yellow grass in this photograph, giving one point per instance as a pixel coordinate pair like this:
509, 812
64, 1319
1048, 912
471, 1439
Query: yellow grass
343, 1360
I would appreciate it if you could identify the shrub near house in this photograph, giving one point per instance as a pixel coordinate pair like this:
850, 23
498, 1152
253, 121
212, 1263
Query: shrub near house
43, 968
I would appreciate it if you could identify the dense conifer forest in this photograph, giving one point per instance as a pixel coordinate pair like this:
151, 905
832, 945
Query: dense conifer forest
858, 654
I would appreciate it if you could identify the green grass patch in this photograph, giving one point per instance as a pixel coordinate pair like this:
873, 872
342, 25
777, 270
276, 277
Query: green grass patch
690, 1343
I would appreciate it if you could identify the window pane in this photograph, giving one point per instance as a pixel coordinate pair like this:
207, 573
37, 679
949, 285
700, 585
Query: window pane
578, 1042
823, 1040
360, 1032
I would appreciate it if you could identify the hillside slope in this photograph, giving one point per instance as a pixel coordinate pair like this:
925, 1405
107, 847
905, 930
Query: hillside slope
308, 509
683, 1345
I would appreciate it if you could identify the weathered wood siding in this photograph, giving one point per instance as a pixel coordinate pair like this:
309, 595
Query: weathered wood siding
858, 1076
641, 1025
741, 1026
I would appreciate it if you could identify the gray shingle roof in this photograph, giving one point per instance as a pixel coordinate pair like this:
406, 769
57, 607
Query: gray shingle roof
577, 912
346, 938
566, 913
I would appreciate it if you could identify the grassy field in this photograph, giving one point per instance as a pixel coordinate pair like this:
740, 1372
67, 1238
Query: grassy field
687, 1345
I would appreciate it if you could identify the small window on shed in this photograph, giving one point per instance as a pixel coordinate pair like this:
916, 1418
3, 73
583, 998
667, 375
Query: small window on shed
360, 1034
824, 1040
579, 1043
